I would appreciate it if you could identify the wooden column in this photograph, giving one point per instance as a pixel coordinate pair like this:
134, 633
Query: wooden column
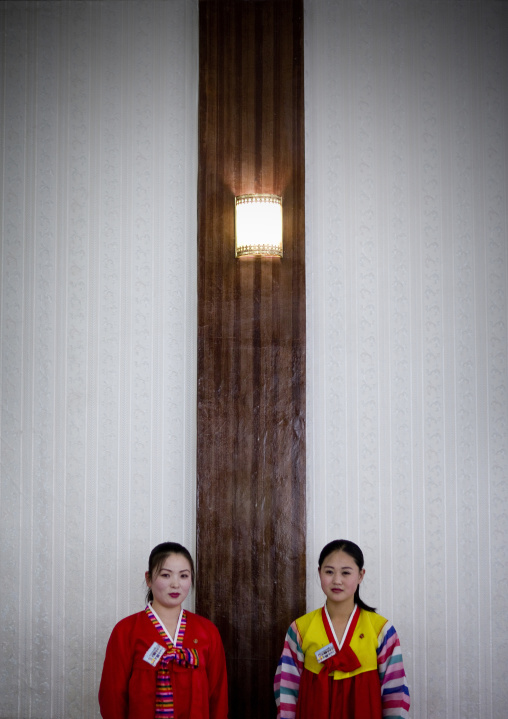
251, 344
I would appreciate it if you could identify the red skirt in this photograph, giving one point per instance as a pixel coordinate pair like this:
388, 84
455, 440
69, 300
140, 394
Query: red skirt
357, 697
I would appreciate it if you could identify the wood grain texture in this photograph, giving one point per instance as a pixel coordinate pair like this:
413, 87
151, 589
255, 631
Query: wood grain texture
251, 342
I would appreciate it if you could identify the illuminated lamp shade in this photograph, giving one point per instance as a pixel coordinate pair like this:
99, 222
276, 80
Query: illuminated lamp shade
258, 225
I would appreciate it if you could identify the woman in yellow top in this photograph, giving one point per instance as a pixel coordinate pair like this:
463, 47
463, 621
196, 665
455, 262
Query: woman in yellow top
342, 660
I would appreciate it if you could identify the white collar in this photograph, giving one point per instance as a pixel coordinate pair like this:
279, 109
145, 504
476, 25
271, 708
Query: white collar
163, 625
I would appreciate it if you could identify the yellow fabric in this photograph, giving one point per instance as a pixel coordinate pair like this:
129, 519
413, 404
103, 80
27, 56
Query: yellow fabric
364, 641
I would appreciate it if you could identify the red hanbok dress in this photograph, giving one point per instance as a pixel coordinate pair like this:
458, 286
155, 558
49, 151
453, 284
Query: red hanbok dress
129, 677
362, 677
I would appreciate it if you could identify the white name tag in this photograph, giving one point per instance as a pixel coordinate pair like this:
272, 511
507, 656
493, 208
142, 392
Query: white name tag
154, 654
325, 653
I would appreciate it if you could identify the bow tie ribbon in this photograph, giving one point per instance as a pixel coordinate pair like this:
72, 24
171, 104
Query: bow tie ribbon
182, 657
345, 660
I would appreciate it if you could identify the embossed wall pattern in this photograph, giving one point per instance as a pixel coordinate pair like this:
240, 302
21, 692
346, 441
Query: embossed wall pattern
407, 307
98, 150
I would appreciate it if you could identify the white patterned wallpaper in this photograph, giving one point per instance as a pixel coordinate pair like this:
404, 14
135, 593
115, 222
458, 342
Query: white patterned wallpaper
98, 147
407, 282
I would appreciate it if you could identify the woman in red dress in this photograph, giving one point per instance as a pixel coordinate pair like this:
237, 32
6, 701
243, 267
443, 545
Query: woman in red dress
165, 661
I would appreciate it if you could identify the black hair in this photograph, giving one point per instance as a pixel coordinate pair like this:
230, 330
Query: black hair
158, 556
354, 551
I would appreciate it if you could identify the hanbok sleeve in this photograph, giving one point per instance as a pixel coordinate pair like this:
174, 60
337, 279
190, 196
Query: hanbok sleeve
394, 688
287, 676
113, 691
217, 678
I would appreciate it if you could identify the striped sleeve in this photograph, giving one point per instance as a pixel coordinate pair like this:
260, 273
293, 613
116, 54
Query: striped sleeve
394, 688
287, 676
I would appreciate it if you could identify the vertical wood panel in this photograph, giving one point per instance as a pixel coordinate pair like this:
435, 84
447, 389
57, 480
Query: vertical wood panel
251, 342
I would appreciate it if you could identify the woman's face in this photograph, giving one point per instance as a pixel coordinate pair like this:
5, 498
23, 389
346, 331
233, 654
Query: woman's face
172, 582
340, 577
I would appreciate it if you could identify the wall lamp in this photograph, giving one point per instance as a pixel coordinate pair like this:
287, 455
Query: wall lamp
258, 225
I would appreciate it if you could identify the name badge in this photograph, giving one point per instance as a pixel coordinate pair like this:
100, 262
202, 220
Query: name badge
154, 654
325, 653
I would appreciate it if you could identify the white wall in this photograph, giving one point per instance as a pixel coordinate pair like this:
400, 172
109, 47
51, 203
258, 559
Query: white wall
98, 148
407, 272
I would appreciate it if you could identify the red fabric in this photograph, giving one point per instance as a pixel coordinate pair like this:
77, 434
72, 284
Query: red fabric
128, 683
323, 697
344, 659
357, 697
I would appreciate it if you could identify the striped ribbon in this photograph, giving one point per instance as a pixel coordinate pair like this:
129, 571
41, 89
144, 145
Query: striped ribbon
164, 699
